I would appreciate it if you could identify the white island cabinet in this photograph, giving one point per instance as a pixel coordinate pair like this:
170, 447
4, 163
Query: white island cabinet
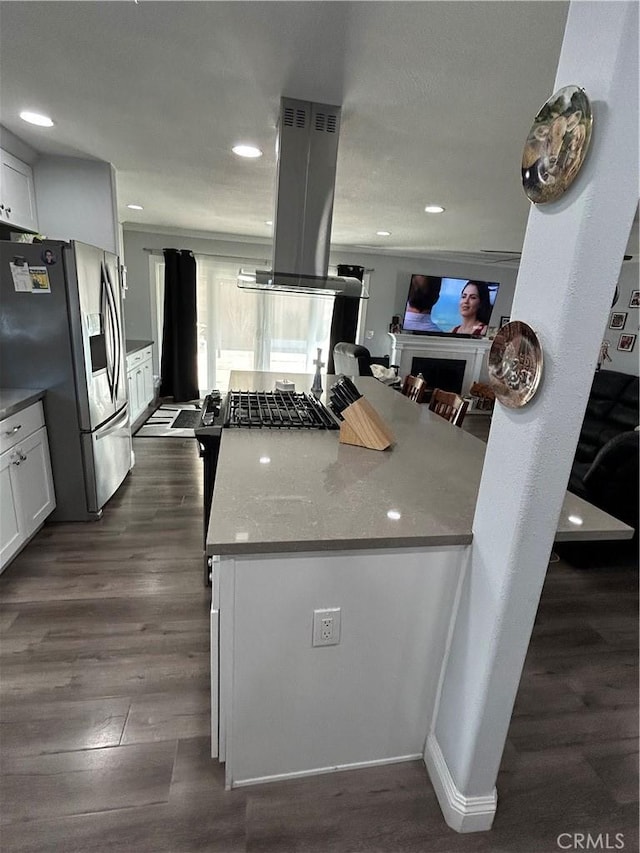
301, 523
26, 484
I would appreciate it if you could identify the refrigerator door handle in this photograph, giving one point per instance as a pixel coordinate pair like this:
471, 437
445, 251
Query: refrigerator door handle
114, 424
118, 331
105, 307
115, 335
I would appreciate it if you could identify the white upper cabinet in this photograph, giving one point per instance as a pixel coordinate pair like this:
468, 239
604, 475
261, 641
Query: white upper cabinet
17, 194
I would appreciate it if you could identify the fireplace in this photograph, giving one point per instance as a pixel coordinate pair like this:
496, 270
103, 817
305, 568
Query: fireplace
449, 351
444, 373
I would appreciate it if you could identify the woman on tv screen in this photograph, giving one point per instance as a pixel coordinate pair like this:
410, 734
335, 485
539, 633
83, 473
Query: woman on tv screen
475, 309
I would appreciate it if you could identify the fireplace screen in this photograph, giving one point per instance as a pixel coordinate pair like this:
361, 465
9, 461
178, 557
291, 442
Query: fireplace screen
444, 373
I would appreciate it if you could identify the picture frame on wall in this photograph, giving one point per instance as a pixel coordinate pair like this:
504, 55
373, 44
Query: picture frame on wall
634, 302
504, 320
618, 319
626, 343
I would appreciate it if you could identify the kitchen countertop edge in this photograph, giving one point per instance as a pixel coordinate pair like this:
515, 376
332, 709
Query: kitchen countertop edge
13, 400
229, 549
132, 345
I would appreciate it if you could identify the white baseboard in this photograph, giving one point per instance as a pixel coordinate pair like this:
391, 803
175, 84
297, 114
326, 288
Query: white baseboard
318, 771
464, 814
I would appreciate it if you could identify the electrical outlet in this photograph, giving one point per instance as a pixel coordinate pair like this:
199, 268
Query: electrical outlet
326, 627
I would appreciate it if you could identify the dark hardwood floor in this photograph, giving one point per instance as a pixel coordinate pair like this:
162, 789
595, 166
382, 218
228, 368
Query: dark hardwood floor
105, 706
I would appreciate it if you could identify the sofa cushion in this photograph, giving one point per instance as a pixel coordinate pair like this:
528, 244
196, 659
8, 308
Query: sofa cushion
631, 394
576, 479
612, 480
586, 450
623, 416
609, 384
599, 407
612, 409
592, 430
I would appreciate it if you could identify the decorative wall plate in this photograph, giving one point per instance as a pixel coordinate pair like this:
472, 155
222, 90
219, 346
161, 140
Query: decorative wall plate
515, 364
556, 145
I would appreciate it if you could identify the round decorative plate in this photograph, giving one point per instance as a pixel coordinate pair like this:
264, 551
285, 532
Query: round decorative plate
556, 145
515, 364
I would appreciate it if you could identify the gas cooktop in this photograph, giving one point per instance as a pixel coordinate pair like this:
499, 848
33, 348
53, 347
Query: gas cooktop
276, 409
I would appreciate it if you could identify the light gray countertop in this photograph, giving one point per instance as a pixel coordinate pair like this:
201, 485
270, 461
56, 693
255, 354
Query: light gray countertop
315, 494
132, 345
14, 400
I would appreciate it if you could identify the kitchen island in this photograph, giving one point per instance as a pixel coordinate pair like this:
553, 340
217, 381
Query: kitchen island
299, 523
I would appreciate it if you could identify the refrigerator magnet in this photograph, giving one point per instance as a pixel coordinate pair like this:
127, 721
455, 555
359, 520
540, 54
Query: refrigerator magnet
39, 280
48, 257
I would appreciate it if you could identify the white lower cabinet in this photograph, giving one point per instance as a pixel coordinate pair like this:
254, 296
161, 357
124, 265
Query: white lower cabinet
147, 381
140, 381
10, 533
26, 488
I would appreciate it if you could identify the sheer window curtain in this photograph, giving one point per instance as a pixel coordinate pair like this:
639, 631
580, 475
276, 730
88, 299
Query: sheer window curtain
249, 330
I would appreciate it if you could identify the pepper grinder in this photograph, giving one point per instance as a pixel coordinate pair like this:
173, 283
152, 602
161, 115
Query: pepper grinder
316, 388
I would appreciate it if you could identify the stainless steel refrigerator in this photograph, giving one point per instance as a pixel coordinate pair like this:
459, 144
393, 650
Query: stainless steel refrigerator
62, 329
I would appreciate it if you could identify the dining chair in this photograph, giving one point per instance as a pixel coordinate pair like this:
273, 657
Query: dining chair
449, 406
414, 387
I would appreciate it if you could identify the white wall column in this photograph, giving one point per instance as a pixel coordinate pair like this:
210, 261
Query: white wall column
571, 260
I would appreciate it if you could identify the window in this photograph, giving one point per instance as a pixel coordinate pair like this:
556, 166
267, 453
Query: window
250, 330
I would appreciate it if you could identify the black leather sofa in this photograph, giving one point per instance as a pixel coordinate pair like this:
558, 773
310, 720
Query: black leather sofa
605, 467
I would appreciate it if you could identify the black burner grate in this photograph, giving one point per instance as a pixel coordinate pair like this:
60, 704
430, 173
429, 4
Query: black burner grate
279, 409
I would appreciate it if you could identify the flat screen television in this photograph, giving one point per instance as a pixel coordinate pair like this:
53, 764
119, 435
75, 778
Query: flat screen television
449, 306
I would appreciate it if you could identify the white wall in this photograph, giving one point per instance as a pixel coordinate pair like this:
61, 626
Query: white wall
389, 278
625, 362
389, 284
137, 307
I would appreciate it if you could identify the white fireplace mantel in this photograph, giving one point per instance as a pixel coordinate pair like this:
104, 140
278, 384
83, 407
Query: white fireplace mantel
404, 348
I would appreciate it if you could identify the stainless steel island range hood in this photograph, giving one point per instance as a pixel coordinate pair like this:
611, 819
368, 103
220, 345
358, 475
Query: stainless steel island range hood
307, 153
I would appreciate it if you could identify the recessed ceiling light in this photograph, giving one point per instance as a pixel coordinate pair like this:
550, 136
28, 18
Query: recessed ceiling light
135, 207
383, 233
36, 118
268, 222
394, 515
434, 208
246, 151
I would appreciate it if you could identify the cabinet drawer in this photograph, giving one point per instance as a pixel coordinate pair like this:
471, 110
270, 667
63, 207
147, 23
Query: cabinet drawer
134, 359
138, 357
17, 427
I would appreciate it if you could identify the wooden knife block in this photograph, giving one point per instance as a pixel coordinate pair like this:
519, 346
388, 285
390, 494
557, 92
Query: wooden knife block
364, 427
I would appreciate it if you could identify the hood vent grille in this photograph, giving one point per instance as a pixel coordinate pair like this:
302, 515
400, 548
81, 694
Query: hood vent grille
294, 117
327, 123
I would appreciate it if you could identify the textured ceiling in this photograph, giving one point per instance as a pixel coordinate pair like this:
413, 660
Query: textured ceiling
437, 99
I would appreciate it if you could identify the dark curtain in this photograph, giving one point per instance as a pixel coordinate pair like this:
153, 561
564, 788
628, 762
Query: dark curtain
179, 368
344, 321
